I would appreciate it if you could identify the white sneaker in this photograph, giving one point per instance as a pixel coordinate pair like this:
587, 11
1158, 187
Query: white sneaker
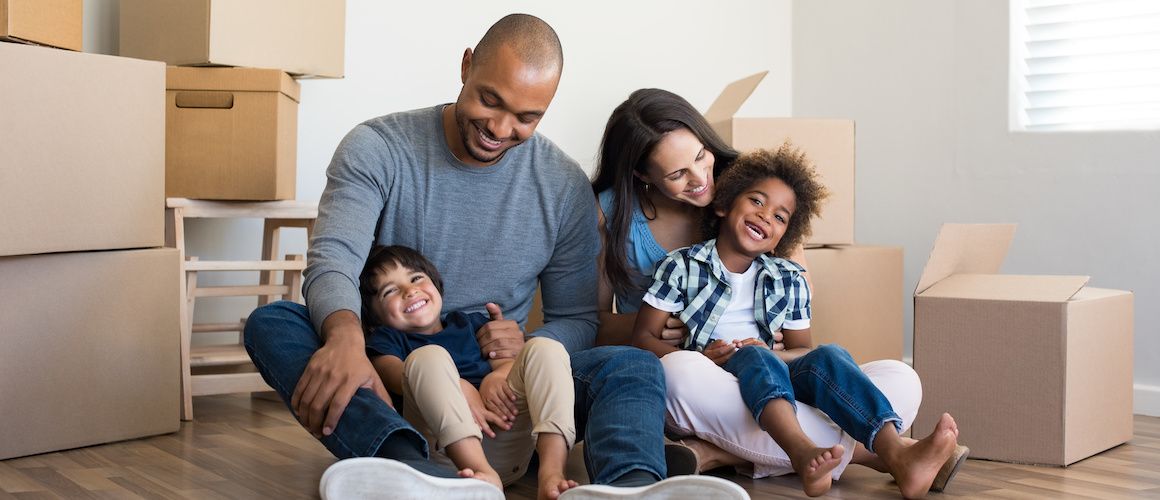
673, 488
372, 477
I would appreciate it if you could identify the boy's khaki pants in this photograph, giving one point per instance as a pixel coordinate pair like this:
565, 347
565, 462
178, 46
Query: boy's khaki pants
541, 378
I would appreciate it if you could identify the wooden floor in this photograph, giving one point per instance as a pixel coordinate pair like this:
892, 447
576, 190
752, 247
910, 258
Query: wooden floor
238, 447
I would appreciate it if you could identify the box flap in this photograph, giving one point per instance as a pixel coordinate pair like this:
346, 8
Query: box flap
733, 97
966, 248
1021, 288
231, 79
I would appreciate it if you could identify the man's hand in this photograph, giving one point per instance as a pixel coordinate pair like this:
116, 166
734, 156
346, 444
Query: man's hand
483, 417
719, 351
338, 369
499, 338
674, 332
497, 395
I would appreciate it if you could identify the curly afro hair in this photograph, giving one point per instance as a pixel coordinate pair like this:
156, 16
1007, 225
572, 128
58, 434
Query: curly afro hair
786, 163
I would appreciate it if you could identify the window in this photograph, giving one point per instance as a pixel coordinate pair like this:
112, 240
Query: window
1085, 64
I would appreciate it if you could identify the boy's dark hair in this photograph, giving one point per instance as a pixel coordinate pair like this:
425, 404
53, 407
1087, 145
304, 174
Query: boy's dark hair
786, 163
389, 257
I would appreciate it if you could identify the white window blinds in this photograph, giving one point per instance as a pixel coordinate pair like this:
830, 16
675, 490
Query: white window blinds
1086, 64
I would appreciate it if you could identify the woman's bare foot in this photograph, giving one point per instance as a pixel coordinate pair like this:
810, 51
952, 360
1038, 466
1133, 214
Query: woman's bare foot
814, 467
552, 484
915, 466
488, 475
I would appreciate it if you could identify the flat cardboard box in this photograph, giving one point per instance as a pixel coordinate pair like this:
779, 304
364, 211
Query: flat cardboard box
90, 349
303, 37
56, 23
82, 151
828, 143
1035, 369
857, 299
230, 134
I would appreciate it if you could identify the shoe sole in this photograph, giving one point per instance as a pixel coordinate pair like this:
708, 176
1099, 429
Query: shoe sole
369, 477
680, 487
950, 468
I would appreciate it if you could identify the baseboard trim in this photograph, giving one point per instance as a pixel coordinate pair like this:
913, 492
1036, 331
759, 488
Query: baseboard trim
1146, 400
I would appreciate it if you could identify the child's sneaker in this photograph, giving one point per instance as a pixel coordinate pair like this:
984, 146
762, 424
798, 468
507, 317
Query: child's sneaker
679, 487
372, 477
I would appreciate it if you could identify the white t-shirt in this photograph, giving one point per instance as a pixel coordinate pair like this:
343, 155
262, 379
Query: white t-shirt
738, 322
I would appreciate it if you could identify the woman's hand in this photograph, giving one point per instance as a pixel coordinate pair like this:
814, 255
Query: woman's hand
778, 341
483, 417
674, 332
498, 396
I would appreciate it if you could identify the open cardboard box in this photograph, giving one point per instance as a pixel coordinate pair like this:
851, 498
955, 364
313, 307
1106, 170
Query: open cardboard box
303, 37
56, 23
828, 143
857, 299
1035, 369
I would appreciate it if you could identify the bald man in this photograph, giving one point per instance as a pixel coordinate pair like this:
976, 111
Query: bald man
499, 210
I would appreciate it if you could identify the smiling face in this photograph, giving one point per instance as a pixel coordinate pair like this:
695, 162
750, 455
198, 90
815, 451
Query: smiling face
499, 107
680, 168
406, 300
755, 222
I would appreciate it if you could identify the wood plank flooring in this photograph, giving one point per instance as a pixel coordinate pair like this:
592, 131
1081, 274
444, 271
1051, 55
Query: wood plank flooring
238, 447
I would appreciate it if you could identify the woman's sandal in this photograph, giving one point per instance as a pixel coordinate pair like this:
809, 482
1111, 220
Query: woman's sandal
680, 458
950, 468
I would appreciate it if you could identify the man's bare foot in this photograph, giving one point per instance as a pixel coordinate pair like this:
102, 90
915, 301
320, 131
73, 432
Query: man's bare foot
489, 475
552, 484
814, 467
916, 465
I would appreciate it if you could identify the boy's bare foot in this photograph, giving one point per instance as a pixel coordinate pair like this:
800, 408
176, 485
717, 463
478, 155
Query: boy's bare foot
915, 466
488, 475
552, 484
814, 467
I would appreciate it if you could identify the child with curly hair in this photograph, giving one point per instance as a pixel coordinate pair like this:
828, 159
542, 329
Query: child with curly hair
736, 290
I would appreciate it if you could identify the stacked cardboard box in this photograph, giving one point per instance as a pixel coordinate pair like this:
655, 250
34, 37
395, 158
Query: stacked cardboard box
231, 133
90, 310
857, 301
1035, 369
55, 23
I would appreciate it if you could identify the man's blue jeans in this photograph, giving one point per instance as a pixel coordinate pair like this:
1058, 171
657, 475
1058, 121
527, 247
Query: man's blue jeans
826, 378
620, 395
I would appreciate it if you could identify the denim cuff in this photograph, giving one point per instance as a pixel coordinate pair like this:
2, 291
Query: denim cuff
878, 426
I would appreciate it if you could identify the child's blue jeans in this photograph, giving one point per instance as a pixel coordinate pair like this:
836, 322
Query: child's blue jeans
826, 378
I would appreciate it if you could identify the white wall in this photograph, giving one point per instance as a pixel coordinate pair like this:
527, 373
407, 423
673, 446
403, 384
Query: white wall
402, 56
926, 81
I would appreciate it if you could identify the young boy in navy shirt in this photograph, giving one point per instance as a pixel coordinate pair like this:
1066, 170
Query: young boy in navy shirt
453, 395
734, 294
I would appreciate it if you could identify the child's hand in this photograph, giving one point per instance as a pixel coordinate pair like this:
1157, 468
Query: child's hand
482, 416
748, 342
719, 351
498, 395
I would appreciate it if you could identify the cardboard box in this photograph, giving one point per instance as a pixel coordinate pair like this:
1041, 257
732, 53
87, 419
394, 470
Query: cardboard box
828, 143
857, 299
1035, 369
303, 37
231, 134
90, 349
81, 151
57, 23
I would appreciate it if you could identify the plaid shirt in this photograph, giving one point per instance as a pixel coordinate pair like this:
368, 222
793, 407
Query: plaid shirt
694, 279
